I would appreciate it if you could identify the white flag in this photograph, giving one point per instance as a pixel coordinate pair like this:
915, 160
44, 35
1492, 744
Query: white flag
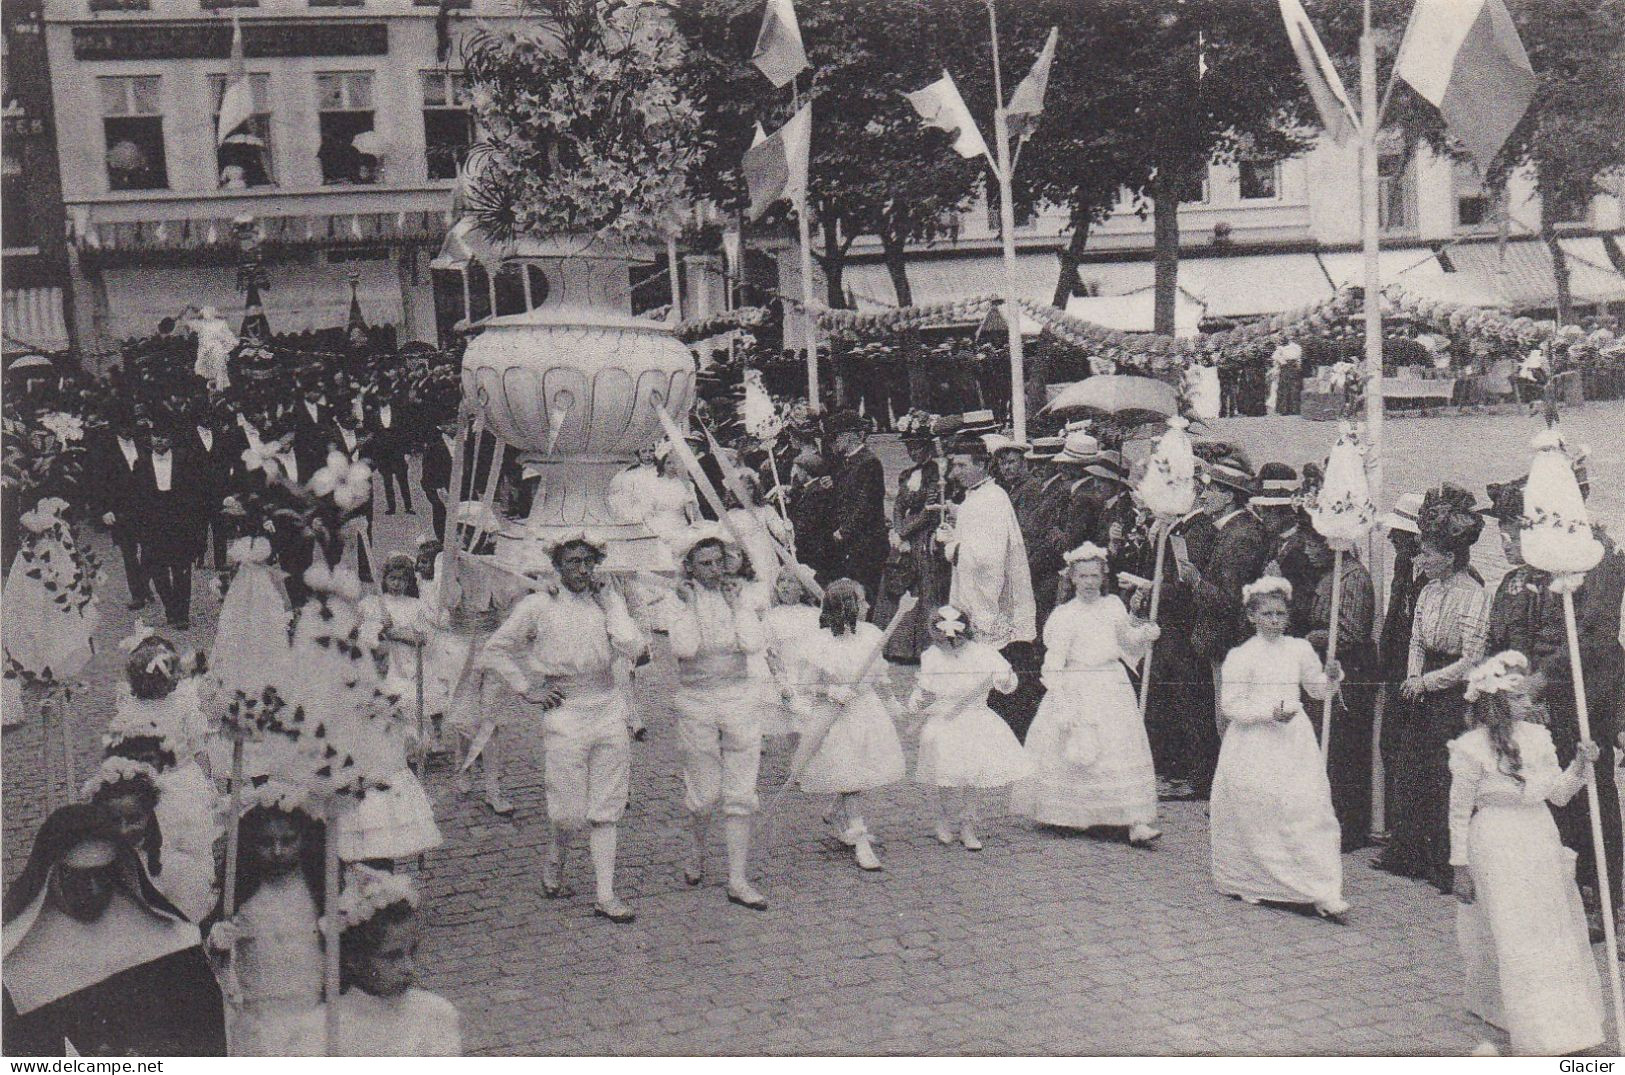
1325, 87
941, 106
779, 53
237, 103
1027, 103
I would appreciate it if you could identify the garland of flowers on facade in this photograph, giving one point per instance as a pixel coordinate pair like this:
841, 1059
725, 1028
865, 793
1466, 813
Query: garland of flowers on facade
1496, 327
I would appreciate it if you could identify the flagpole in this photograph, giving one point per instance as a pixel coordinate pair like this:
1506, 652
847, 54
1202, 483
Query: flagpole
809, 327
1369, 224
1007, 226
1370, 122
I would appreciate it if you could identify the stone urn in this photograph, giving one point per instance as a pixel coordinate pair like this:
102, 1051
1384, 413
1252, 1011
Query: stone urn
576, 384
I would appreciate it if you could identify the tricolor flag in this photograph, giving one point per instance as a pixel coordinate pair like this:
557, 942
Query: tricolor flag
1027, 103
1464, 58
237, 102
779, 53
941, 106
1325, 88
776, 165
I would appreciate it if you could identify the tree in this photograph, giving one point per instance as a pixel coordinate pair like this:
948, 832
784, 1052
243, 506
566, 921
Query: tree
1574, 132
584, 125
874, 169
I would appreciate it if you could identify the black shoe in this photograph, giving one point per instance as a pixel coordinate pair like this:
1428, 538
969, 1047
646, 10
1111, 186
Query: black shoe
138, 603
389, 511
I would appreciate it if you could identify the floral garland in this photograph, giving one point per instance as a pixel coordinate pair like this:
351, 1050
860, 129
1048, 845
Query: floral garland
703, 328
1495, 327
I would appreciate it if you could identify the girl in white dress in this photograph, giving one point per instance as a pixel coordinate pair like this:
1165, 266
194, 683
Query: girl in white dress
787, 627
964, 746
860, 751
338, 657
1275, 835
1090, 756
401, 617
381, 1011
159, 720
671, 506
275, 931
1519, 922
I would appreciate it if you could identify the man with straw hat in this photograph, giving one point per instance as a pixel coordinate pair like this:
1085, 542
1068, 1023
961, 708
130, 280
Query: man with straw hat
1237, 557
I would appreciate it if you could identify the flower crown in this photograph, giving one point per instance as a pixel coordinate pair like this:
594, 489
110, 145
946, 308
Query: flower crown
340, 581
115, 771
1087, 551
275, 795
1505, 672
1268, 585
950, 621
370, 891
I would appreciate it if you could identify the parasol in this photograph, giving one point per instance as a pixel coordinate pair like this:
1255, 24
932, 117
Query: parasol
1126, 399
371, 143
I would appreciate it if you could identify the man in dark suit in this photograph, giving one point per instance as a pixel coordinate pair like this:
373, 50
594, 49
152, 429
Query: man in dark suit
387, 425
1179, 701
313, 428
435, 476
216, 443
171, 519
859, 483
117, 463
1239, 553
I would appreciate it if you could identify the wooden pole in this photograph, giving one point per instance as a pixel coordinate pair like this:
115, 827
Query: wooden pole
228, 887
1007, 228
809, 329
1594, 807
1156, 601
330, 922
72, 783
1331, 655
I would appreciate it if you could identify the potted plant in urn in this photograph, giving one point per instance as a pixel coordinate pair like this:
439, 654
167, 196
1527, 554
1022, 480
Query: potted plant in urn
582, 169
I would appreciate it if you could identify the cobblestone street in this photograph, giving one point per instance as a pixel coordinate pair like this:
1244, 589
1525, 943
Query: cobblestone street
1043, 943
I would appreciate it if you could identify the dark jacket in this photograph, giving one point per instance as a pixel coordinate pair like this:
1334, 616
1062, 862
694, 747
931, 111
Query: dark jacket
1240, 551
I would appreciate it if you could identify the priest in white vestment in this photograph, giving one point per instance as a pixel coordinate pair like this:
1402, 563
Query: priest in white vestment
992, 580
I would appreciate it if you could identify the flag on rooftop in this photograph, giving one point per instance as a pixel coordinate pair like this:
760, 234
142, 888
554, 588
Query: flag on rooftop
1464, 57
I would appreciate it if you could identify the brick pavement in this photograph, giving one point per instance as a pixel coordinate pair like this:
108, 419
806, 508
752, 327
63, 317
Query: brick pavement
1043, 943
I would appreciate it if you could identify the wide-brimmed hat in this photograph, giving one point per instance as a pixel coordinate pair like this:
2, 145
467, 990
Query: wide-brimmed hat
1109, 467
1231, 474
845, 422
1278, 485
1407, 509
1506, 500
998, 442
1080, 448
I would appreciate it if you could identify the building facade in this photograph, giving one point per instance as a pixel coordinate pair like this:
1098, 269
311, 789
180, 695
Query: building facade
34, 254
1261, 237
343, 172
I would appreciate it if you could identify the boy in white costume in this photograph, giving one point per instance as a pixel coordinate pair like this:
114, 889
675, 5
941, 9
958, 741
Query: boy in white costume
556, 650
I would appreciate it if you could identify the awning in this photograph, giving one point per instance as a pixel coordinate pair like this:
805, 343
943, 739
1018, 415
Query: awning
1136, 312
934, 280
1254, 285
32, 320
1404, 268
1524, 277
1592, 276
1463, 289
